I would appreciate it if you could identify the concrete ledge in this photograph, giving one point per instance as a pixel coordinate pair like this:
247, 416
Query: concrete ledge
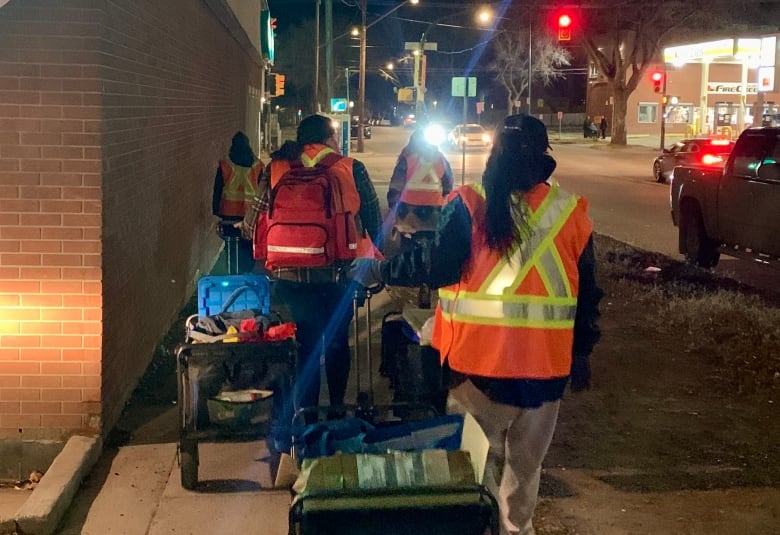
45, 507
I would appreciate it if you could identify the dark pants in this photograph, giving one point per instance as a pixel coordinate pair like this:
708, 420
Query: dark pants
322, 314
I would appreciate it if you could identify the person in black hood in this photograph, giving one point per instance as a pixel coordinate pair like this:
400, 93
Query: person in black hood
235, 185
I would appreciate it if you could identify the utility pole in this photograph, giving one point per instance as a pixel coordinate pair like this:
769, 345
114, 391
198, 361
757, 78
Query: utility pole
362, 96
317, 57
328, 52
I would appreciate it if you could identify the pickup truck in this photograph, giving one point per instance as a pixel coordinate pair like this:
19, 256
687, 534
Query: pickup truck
733, 209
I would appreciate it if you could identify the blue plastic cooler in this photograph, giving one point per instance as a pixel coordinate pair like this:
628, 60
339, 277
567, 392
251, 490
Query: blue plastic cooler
215, 290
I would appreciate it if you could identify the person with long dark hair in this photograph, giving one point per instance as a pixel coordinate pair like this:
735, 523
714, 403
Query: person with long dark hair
516, 320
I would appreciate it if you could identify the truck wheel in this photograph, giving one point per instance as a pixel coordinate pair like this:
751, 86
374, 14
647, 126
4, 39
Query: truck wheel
657, 173
699, 249
188, 458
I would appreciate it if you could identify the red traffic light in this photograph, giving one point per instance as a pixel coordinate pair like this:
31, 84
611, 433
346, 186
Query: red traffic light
564, 21
657, 77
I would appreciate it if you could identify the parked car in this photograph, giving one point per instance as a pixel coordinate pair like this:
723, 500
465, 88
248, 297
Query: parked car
353, 130
469, 135
705, 150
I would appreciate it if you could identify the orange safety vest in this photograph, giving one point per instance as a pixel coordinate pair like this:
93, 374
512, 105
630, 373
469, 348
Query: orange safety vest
342, 170
423, 181
514, 319
239, 187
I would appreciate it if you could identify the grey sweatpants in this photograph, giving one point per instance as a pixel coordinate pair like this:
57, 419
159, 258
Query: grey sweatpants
519, 439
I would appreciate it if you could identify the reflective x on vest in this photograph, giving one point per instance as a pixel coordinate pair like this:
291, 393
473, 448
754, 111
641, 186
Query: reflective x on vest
238, 190
496, 301
423, 185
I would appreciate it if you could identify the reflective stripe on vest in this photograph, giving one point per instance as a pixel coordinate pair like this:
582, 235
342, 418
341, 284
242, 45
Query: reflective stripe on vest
423, 182
239, 188
495, 303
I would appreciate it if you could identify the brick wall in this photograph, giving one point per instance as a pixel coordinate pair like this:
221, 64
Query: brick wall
112, 118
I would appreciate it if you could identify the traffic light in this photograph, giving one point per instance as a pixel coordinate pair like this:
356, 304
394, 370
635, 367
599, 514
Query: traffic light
564, 26
272, 85
657, 78
279, 84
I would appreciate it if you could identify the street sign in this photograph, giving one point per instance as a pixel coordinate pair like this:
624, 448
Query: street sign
480, 107
414, 45
406, 95
560, 115
459, 86
338, 105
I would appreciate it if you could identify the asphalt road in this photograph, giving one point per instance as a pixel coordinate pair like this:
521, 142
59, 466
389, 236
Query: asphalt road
626, 203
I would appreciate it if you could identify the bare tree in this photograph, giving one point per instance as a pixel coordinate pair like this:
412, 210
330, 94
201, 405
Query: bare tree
624, 37
510, 49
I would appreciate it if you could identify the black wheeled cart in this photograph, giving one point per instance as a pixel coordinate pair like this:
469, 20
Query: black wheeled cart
440, 510
228, 389
387, 484
267, 369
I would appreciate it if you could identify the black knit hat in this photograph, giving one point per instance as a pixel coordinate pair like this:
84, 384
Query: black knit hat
532, 130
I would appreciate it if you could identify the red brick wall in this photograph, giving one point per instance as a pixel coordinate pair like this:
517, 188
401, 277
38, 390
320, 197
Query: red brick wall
112, 118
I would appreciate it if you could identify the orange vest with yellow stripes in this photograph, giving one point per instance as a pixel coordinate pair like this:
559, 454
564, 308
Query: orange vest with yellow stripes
514, 318
239, 187
423, 181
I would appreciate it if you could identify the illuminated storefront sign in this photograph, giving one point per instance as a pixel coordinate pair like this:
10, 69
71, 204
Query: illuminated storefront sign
730, 88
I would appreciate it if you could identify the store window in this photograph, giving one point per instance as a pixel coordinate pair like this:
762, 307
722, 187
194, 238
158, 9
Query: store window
648, 112
679, 114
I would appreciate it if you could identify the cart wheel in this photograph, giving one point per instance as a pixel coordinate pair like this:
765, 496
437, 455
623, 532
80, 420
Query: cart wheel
188, 452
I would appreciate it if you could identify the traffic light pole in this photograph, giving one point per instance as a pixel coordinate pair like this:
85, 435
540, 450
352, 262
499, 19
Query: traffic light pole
663, 114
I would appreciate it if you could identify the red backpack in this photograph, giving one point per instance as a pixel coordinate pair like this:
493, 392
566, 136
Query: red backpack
306, 224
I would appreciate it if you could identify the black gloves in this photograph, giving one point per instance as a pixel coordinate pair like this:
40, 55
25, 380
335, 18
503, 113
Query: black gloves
580, 373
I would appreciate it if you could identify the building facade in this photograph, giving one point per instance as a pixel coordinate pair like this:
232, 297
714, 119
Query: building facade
710, 88
113, 115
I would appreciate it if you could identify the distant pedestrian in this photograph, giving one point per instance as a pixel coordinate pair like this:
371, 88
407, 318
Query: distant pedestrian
421, 180
587, 127
235, 185
603, 127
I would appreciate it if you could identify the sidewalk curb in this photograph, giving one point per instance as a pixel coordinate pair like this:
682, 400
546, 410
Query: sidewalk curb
45, 507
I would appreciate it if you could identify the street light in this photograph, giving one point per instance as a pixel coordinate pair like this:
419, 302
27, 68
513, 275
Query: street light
483, 16
362, 87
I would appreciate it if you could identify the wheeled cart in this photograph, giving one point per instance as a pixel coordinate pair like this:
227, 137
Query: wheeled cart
230, 390
441, 510
203, 369
405, 476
